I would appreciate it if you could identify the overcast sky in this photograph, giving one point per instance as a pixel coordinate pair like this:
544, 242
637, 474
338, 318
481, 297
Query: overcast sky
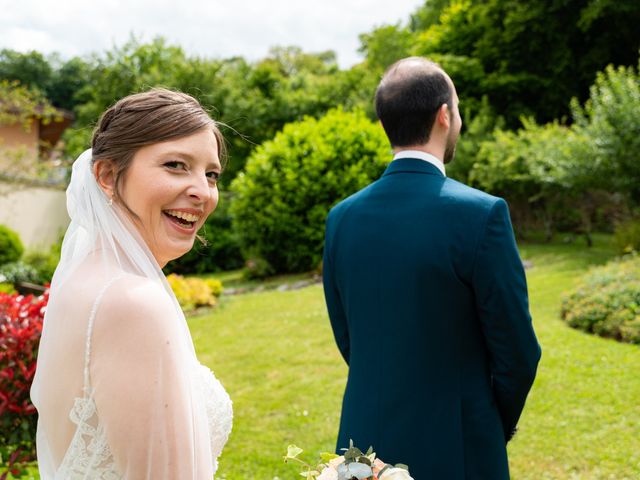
209, 28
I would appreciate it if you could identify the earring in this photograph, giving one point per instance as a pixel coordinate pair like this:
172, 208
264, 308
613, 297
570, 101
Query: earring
110, 202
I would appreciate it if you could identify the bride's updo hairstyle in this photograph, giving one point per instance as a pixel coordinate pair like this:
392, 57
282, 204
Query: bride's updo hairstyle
146, 118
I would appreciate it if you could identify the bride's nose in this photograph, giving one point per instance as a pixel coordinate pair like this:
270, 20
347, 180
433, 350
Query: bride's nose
199, 188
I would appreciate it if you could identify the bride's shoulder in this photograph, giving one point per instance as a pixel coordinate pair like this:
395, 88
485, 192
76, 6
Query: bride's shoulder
135, 288
136, 300
137, 321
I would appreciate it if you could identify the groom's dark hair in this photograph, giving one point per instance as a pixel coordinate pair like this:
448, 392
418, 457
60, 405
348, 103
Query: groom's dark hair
408, 99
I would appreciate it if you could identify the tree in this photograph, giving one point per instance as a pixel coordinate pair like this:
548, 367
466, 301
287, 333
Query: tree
55, 78
132, 68
252, 100
535, 55
69, 80
30, 69
428, 14
610, 118
385, 45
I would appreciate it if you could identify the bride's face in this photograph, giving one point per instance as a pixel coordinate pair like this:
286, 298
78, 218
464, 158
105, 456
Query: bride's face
172, 187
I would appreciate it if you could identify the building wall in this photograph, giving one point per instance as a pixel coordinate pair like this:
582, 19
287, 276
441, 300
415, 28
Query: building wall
37, 214
18, 148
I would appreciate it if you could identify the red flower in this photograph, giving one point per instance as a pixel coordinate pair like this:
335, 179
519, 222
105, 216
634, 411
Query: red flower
20, 329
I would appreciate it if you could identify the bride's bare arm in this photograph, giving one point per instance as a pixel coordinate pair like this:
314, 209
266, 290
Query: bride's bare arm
141, 371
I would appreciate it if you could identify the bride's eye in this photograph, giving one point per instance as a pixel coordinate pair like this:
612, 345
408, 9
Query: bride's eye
213, 176
175, 165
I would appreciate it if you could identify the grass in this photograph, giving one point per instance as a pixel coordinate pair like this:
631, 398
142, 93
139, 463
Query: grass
582, 420
275, 354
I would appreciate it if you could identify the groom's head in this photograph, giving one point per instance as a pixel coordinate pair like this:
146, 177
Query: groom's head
417, 105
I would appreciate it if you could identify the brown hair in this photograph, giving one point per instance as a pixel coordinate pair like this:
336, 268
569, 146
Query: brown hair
408, 99
146, 118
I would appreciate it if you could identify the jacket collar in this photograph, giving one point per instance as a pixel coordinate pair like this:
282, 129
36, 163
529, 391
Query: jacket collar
411, 165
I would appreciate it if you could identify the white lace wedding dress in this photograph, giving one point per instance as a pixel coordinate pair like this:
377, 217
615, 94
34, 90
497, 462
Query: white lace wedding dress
89, 455
118, 387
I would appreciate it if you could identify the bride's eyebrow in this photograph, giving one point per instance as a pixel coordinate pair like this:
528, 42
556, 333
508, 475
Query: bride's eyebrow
214, 165
177, 153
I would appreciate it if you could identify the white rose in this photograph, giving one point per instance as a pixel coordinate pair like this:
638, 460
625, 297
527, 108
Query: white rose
395, 474
328, 474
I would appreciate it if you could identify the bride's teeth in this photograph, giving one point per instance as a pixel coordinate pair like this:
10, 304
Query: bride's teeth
189, 217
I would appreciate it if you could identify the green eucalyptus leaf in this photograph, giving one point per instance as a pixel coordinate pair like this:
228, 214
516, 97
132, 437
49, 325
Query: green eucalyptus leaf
352, 453
402, 466
355, 470
293, 451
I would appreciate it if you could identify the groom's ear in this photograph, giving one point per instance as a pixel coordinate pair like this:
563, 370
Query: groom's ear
104, 172
443, 117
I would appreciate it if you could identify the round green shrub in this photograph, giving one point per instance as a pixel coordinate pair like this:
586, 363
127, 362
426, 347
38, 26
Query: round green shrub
11, 247
290, 183
607, 301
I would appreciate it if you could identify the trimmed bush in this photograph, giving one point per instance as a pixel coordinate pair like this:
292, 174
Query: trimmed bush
291, 182
11, 247
607, 301
44, 263
17, 272
257, 268
20, 328
627, 236
193, 292
215, 285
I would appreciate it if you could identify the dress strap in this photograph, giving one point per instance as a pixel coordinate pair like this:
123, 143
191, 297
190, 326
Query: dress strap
92, 317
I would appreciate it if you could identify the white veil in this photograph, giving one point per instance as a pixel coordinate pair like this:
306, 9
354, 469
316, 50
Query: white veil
148, 406
97, 223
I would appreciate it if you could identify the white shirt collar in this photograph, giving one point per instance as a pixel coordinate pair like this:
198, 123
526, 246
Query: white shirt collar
427, 157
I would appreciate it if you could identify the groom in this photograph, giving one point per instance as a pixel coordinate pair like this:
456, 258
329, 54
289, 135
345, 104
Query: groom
428, 299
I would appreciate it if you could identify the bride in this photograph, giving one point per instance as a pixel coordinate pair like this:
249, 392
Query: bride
118, 388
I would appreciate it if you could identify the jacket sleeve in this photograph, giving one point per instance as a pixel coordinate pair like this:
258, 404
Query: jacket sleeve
335, 306
502, 304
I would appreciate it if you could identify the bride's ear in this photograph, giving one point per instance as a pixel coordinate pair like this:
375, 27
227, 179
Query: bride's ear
105, 176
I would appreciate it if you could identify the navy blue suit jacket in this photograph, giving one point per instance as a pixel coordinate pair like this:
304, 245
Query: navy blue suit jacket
427, 299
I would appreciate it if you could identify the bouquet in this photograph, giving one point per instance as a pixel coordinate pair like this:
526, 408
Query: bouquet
353, 465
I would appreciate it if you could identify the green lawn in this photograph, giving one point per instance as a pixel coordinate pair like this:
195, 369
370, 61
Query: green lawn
275, 355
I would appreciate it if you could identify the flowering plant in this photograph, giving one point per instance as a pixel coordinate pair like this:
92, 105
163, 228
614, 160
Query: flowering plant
20, 329
353, 465
193, 292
